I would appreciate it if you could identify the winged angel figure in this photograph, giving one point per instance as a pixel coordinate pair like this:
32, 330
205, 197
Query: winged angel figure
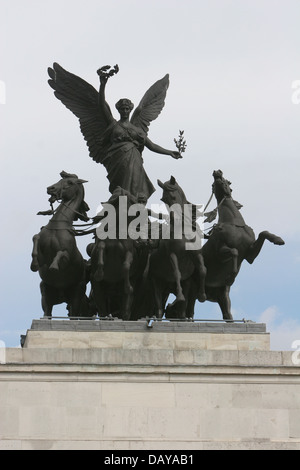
118, 145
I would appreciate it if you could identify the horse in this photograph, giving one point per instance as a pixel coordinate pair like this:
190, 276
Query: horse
114, 258
55, 254
229, 243
172, 265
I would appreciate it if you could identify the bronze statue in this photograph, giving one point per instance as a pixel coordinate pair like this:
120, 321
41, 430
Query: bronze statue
229, 243
172, 265
55, 254
118, 145
114, 264
132, 275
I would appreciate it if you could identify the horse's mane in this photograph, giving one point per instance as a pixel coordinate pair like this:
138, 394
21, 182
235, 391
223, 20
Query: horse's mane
181, 199
83, 208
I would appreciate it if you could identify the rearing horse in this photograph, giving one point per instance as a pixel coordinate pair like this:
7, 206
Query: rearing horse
173, 264
231, 241
55, 254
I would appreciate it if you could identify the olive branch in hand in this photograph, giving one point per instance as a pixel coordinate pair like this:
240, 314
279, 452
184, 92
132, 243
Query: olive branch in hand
180, 143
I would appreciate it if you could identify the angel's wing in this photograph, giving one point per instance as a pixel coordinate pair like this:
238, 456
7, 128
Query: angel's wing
82, 99
151, 104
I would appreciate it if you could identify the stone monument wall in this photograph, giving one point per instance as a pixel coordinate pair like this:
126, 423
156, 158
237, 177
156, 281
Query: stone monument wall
136, 385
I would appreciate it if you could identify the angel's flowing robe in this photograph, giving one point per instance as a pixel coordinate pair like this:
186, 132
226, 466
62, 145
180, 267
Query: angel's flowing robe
123, 160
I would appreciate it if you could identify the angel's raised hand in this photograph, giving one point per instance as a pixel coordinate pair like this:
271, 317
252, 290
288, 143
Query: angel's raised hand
106, 72
103, 73
176, 155
103, 70
103, 77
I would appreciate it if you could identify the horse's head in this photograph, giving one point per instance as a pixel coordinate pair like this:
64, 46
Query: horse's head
221, 186
69, 188
66, 188
172, 192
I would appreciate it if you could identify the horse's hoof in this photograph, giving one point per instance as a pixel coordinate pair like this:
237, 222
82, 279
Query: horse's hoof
202, 297
278, 241
228, 319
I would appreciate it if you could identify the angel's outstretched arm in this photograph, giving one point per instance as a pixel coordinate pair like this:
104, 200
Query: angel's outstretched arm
158, 149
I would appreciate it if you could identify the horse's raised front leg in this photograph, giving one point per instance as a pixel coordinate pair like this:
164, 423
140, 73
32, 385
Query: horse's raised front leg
256, 247
34, 264
60, 260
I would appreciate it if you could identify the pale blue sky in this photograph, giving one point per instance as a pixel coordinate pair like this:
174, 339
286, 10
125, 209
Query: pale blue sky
231, 65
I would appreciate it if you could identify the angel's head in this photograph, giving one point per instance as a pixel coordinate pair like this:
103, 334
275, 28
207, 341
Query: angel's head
124, 106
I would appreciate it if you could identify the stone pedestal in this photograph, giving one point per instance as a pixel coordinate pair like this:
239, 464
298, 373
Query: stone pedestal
117, 385
147, 335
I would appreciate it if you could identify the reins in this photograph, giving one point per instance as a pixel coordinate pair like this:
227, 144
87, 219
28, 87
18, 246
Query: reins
209, 201
76, 232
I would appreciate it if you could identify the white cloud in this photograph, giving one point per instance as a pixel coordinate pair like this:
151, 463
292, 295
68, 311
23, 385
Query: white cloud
283, 331
269, 315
